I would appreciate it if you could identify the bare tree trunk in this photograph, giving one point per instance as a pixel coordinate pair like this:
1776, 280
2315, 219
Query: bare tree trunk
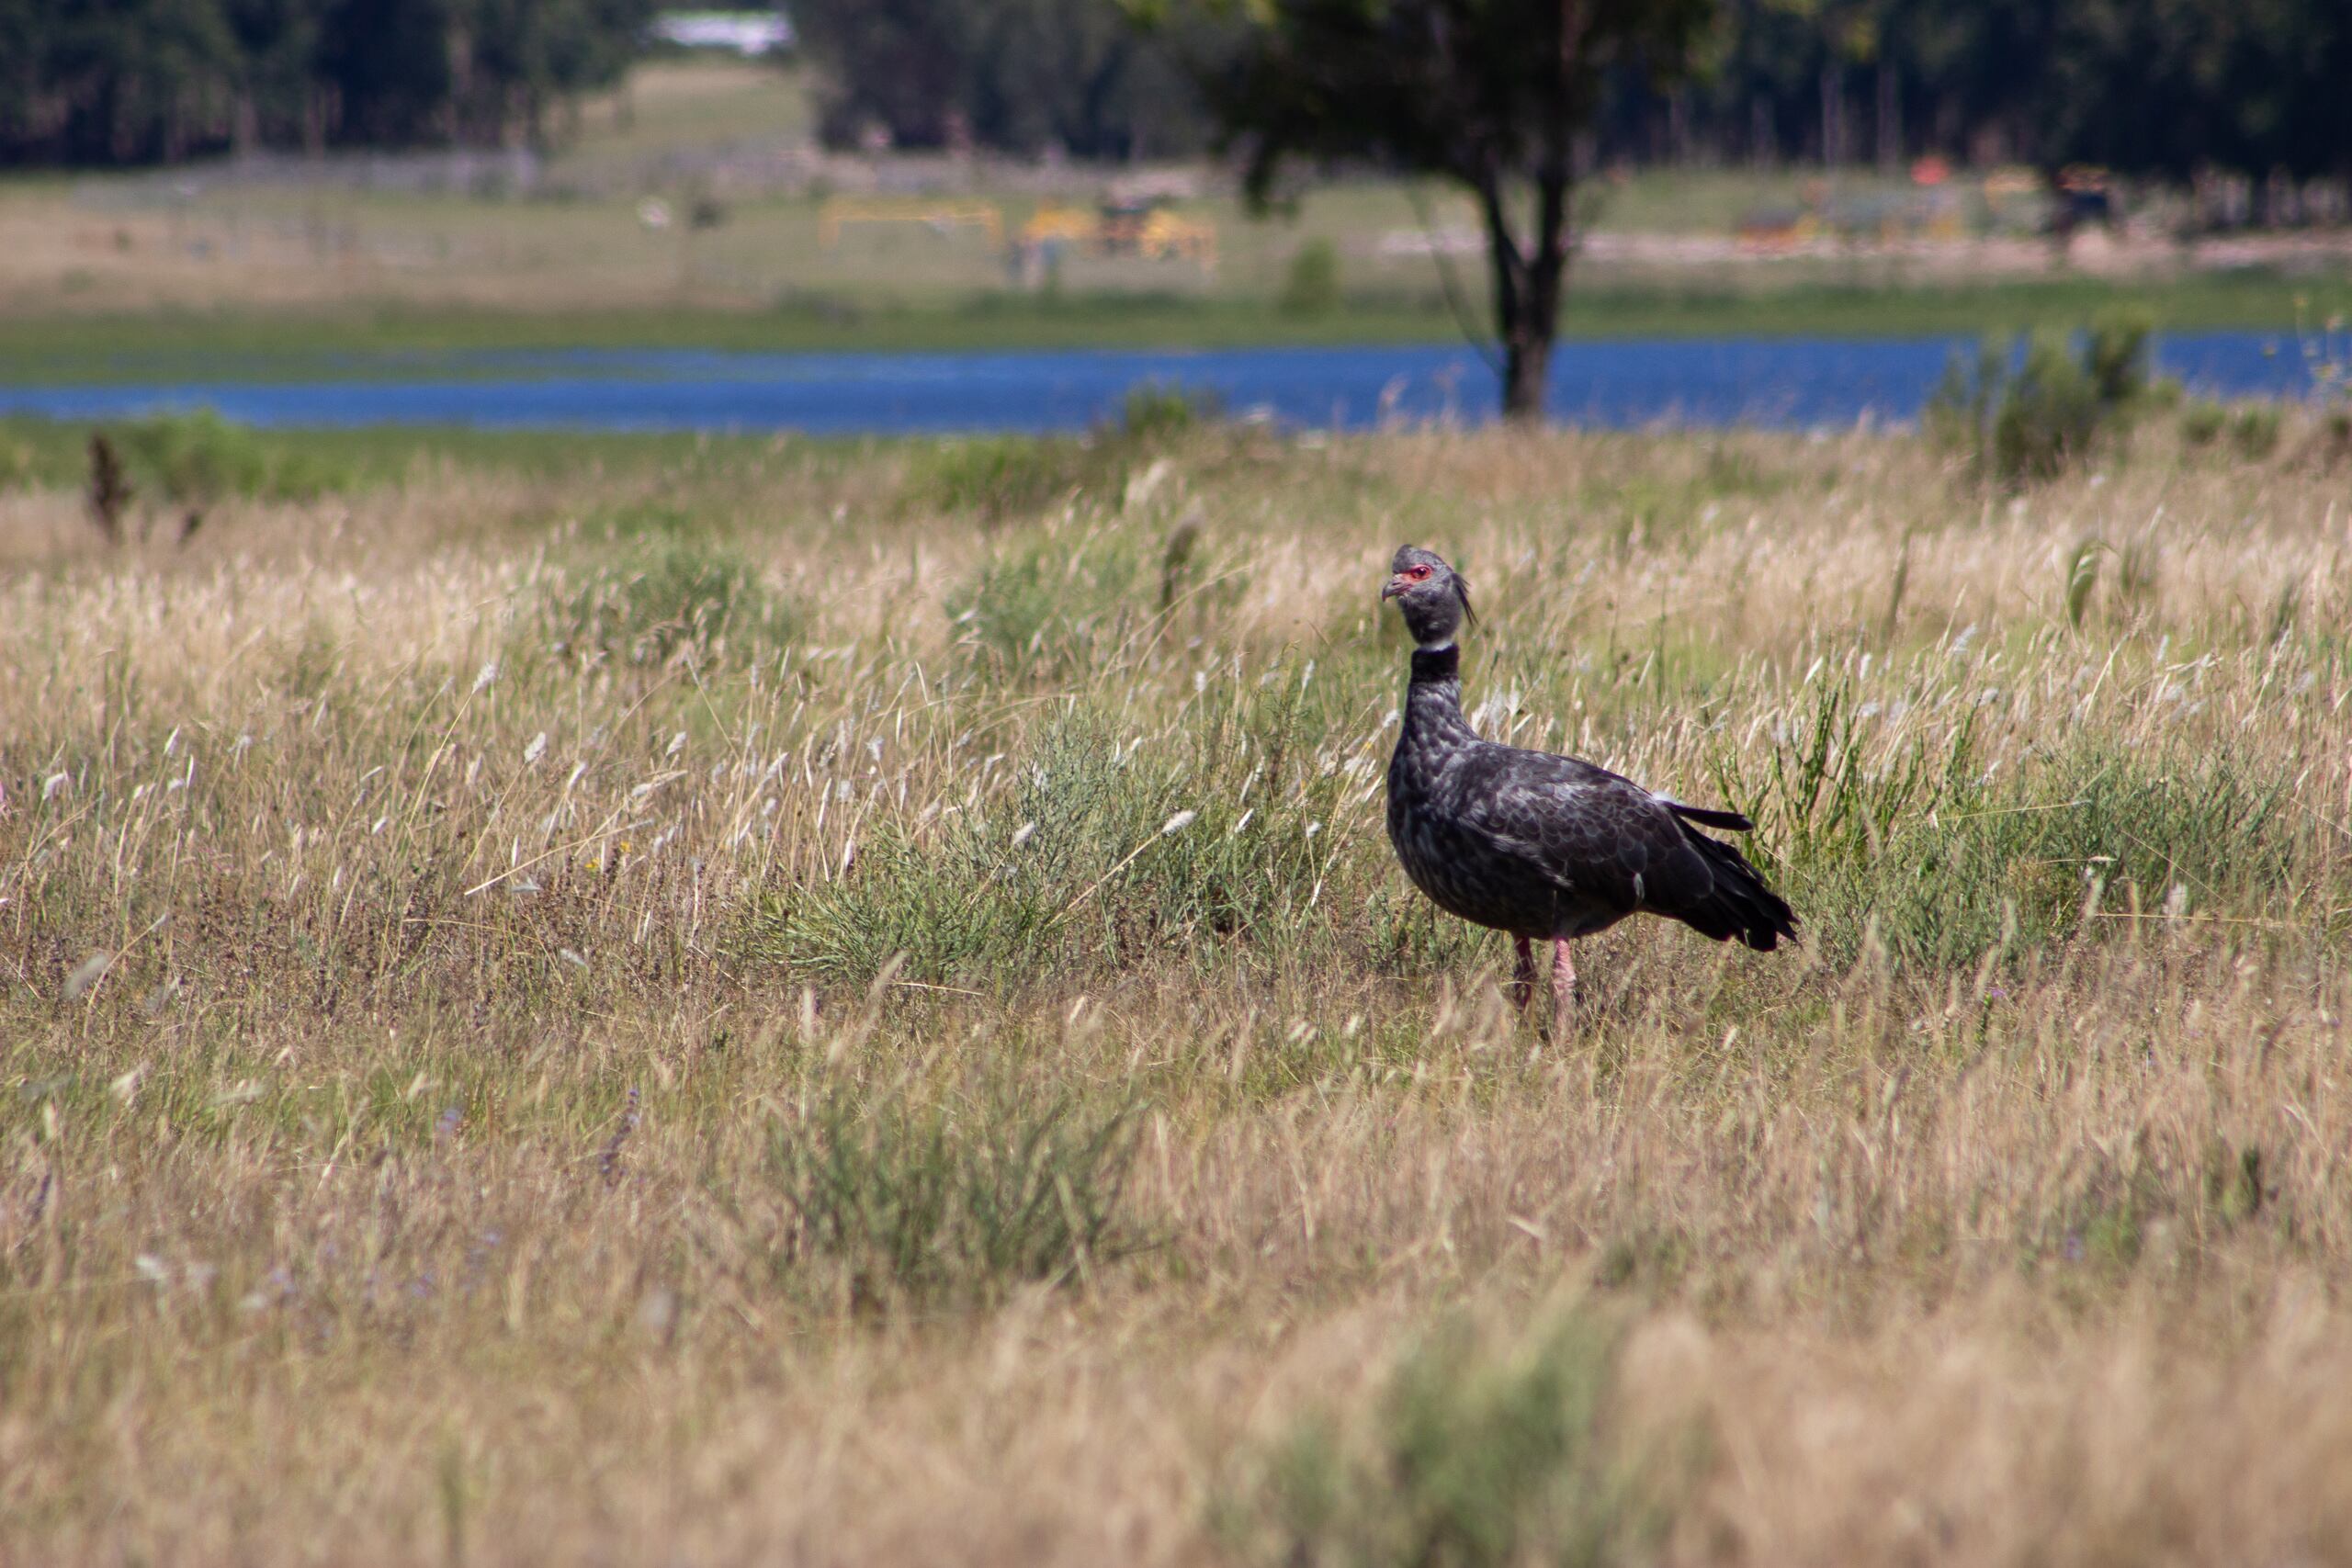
1833, 119
1528, 282
1509, 268
1527, 373
1890, 121
1547, 280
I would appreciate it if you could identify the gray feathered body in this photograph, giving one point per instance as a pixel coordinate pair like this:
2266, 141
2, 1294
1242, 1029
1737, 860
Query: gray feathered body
1548, 847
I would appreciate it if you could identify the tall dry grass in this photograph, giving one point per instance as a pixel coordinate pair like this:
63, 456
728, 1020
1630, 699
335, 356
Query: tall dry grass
757, 1005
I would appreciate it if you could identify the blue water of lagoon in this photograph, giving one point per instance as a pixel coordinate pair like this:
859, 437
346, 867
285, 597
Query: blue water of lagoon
1771, 382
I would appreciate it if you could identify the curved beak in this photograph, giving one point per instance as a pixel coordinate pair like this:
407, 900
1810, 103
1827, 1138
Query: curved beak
1396, 585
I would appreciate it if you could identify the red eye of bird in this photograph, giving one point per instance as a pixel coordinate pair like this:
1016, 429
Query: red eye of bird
1419, 573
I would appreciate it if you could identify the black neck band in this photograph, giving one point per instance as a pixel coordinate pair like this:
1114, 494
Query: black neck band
1436, 664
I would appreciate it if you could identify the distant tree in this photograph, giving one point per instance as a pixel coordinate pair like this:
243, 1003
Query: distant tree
1017, 74
1078, 74
128, 81
1495, 94
514, 58
390, 62
896, 63
276, 82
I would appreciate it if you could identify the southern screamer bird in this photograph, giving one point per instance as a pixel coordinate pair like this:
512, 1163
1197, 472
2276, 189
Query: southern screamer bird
1546, 847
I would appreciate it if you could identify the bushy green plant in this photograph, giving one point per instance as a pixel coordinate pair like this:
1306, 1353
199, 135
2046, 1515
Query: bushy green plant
2116, 352
2201, 421
1945, 859
1156, 410
1001, 476
665, 594
2332, 440
1011, 476
1042, 605
199, 459
889, 1204
1311, 286
2027, 414
2050, 412
2254, 430
1102, 853
1476, 1454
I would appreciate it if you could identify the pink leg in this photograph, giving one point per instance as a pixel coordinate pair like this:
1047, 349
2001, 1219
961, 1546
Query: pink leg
1564, 991
1523, 976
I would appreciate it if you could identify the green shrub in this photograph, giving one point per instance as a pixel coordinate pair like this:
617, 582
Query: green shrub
1947, 859
2115, 353
197, 461
2201, 421
1474, 1455
2049, 415
2331, 441
1156, 410
42, 452
665, 594
999, 476
1040, 608
888, 1205
1103, 852
1311, 286
2254, 430
2027, 415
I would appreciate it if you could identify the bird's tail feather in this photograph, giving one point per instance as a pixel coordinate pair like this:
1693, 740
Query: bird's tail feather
1708, 816
1741, 906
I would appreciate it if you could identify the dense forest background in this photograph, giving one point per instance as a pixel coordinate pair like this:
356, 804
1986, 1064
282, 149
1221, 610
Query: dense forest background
94, 81
2165, 88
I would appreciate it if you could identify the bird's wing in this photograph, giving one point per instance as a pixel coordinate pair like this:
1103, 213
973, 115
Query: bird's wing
1593, 833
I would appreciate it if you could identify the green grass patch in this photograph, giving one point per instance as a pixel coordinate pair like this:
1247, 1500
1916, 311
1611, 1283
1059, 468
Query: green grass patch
665, 594
1477, 1452
1943, 858
1212, 843
886, 1205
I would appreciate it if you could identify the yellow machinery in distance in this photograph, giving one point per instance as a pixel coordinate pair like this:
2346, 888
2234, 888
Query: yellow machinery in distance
1146, 230
938, 216
1149, 230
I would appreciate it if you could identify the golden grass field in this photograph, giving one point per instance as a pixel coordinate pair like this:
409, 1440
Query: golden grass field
639, 1001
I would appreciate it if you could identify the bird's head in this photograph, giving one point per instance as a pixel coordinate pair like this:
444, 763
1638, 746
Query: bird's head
1434, 598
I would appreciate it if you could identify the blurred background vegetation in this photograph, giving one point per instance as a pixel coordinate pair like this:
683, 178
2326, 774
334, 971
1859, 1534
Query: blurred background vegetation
2175, 88
247, 182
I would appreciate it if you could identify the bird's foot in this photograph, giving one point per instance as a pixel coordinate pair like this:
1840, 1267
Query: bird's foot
1564, 993
1521, 991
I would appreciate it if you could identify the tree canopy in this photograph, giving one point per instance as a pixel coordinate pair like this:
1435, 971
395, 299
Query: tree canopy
122, 81
1020, 75
1495, 94
2162, 88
